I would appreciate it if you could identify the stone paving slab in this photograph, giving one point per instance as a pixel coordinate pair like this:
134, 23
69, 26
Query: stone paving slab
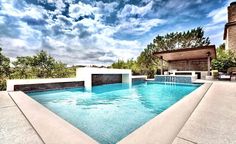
214, 120
182, 141
5, 100
14, 127
51, 128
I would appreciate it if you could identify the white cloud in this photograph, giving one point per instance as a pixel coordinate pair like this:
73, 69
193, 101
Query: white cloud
218, 15
35, 12
139, 26
106, 7
135, 10
89, 40
54, 42
81, 9
2, 20
98, 45
177, 6
221, 14
132, 20
215, 28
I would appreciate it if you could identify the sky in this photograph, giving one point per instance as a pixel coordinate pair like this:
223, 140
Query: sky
101, 31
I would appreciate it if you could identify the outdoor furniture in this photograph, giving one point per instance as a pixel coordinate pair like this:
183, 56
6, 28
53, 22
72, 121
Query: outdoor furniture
215, 74
224, 76
188, 60
232, 72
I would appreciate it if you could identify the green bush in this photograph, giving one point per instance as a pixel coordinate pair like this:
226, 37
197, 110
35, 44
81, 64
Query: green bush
225, 59
3, 84
41, 65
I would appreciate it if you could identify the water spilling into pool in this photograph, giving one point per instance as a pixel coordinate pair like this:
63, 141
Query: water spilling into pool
110, 112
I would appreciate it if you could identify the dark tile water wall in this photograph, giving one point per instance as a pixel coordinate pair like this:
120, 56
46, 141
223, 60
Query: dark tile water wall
138, 80
48, 86
177, 79
99, 79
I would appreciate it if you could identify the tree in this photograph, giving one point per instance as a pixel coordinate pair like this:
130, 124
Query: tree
129, 64
60, 71
23, 68
40, 65
120, 64
191, 38
148, 64
225, 59
171, 41
4, 70
4, 65
43, 65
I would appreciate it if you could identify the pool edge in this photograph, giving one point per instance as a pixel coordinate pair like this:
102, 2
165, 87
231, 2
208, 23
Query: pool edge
50, 127
165, 127
80, 137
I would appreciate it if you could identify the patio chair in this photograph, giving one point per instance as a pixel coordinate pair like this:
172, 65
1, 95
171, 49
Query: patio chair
232, 72
224, 76
227, 76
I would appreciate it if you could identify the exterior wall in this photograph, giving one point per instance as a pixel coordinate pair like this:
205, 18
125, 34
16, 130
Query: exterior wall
99, 79
188, 65
47, 86
231, 27
85, 74
231, 37
138, 80
232, 12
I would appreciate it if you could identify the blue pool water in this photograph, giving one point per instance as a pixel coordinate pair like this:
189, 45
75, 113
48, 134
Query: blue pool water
110, 112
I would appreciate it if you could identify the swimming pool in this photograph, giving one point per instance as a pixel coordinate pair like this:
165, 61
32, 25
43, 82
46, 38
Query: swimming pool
108, 113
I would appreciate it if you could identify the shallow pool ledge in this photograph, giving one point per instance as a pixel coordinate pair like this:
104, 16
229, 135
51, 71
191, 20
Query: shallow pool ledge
50, 127
164, 128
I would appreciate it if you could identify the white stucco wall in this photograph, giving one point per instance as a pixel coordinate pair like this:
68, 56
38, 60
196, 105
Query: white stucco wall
85, 74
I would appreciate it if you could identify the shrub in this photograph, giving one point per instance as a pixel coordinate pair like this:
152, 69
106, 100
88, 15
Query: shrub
225, 59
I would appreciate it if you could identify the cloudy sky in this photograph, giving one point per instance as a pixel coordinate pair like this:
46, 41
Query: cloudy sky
101, 31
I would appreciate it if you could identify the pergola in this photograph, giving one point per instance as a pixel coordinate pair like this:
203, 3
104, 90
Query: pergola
203, 52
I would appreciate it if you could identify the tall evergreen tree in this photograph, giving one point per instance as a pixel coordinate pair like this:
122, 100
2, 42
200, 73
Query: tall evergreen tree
189, 39
171, 41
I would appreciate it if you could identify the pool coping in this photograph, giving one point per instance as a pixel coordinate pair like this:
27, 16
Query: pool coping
49, 126
53, 129
165, 127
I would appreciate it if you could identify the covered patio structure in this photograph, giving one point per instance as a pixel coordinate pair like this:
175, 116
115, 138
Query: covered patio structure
187, 61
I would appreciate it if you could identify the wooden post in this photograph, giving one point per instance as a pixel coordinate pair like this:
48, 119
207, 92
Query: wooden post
208, 63
162, 65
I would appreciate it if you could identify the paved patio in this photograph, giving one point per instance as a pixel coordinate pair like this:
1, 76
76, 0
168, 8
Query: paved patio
212, 122
14, 127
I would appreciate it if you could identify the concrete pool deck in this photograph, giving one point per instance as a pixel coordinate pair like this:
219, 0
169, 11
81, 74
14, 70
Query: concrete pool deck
14, 127
212, 121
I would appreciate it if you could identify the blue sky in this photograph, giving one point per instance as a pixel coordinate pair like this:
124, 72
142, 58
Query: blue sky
102, 31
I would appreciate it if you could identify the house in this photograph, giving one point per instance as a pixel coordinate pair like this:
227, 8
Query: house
188, 61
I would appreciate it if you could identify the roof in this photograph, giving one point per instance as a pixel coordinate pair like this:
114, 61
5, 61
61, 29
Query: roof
188, 53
